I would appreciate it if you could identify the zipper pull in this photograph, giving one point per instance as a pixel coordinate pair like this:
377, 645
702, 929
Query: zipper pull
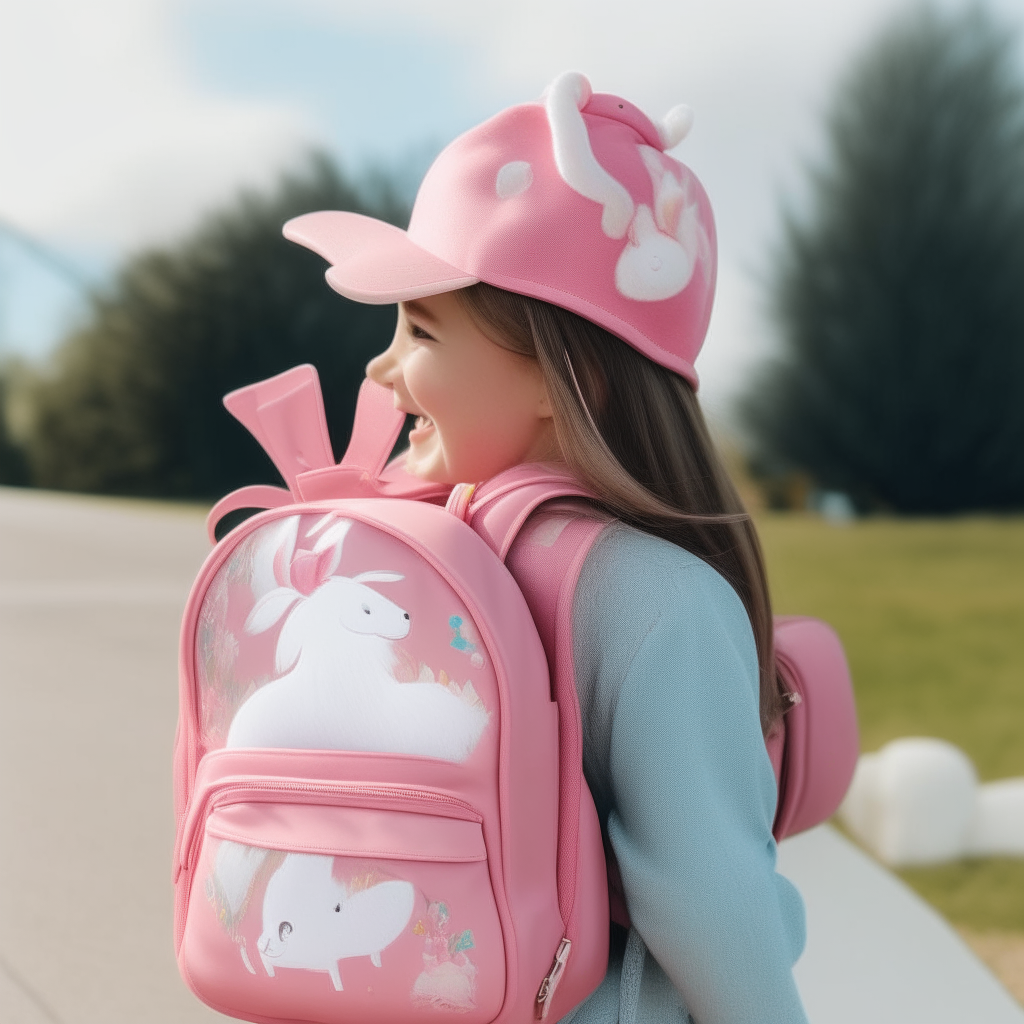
546, 992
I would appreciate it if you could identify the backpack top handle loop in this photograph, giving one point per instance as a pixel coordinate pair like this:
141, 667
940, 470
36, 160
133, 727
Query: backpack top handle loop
286, 415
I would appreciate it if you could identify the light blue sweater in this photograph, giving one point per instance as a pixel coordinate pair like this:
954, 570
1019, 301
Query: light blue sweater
667, 676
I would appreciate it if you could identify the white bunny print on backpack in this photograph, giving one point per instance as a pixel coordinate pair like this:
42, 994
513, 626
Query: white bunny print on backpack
311, 920
337, 690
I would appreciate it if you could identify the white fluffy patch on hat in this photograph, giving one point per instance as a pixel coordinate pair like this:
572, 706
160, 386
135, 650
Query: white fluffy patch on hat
513, 178
653, 266
675, 211
664, 244
575, 160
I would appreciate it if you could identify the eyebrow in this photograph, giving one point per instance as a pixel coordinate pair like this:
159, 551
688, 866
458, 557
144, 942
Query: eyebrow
418, 310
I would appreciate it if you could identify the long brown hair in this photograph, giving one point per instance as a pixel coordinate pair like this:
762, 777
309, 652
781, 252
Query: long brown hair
633, 432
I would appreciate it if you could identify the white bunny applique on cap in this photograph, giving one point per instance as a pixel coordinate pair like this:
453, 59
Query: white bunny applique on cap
664, 244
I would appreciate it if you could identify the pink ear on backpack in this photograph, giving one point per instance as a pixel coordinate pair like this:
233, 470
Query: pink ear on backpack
309, 570
286, 415
375, 430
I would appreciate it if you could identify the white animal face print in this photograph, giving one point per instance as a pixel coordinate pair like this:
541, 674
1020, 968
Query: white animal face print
367, 612
653, 265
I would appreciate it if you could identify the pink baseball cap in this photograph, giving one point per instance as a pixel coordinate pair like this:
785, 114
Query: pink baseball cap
571, 200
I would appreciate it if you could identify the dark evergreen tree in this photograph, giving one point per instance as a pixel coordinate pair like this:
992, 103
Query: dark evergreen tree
899, 293
13, 465
132, 401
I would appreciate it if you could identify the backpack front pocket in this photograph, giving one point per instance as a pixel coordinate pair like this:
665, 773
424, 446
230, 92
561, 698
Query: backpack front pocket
342, 903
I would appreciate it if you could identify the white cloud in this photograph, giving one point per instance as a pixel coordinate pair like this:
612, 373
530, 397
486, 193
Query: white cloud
756, 73
108, 144
111, 141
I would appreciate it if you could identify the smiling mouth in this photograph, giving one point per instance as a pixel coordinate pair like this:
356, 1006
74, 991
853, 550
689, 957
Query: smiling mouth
423, 424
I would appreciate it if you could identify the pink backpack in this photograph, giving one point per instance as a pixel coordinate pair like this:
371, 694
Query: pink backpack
381, 811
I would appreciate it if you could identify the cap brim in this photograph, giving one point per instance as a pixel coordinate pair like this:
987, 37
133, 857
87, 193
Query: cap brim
372, 261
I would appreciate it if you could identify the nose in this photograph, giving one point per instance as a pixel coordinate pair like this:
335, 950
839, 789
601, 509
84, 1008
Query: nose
380, 369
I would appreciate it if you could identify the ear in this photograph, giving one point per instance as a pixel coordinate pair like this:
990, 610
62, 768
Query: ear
578, 167
333, 537
235, 871
318, 873
378, 577
284, 547
321, 523
538, 386
269, 608
669, 195
675, 126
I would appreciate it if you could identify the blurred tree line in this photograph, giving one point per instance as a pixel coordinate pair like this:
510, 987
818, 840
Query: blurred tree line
130, 403
899, 290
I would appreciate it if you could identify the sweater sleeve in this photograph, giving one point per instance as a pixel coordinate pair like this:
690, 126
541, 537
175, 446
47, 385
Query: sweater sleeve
689, 791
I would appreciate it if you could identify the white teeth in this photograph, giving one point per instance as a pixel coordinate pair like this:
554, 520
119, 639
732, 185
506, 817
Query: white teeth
423, 421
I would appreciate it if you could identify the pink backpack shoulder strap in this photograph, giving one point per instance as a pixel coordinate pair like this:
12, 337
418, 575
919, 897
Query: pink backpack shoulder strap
545, 556
498, 509
286, 415
545, 560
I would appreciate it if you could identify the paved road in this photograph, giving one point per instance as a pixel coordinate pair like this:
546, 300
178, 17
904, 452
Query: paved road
91, 593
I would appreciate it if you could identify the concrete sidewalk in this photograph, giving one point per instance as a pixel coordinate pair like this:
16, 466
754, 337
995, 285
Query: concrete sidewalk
91, 594
876, 952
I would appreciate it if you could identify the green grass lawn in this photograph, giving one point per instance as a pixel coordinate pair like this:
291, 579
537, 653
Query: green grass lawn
931, 613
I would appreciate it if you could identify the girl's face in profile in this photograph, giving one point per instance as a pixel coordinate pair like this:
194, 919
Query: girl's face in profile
480, 409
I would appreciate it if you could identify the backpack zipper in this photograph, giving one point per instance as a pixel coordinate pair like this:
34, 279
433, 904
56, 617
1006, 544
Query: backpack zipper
546, 992
223, 792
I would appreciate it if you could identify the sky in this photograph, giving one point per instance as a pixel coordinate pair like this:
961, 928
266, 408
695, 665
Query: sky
123, 121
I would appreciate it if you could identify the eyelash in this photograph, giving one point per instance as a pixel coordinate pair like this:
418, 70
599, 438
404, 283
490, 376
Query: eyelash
417, 332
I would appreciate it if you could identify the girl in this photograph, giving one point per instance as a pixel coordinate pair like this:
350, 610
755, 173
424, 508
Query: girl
555, 286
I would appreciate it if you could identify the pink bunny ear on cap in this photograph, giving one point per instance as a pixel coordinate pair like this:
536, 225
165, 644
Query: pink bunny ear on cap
556, 200
675, 126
